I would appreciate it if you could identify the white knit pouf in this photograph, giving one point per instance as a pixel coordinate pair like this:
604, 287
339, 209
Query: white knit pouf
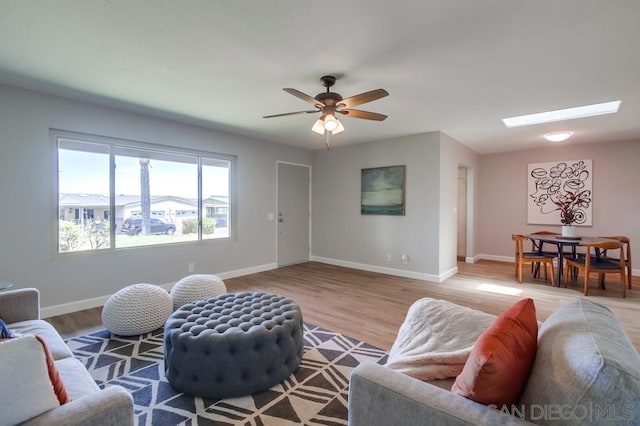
137, 309
196, 287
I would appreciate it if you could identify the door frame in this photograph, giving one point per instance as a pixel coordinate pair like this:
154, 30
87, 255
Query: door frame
470, 256
462, 209
308, 166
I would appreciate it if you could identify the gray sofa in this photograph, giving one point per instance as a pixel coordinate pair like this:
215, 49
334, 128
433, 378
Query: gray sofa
90, 405
586, 371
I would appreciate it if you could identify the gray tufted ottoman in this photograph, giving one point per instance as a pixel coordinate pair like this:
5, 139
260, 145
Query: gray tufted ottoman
233, 344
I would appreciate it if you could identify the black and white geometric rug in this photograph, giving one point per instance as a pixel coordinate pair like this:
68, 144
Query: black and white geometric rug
315, 395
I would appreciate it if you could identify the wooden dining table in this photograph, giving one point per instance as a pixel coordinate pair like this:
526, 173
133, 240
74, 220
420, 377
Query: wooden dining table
562, 242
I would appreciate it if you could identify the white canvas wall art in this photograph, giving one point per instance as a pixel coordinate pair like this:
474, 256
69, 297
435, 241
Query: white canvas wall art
560, 192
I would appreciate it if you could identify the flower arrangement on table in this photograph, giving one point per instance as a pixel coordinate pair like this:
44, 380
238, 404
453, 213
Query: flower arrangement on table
571, 206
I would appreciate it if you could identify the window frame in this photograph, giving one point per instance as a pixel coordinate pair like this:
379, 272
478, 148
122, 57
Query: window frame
114, 145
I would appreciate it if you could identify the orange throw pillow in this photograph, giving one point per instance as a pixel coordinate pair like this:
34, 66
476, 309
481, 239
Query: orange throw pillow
501, 358
54, 374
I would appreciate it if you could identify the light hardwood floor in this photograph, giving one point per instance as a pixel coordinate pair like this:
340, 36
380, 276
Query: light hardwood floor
371, 307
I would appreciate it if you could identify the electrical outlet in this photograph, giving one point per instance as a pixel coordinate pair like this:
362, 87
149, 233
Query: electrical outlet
404, 258
191, 266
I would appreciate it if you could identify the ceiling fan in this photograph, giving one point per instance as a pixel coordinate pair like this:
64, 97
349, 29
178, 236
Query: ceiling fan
330, 104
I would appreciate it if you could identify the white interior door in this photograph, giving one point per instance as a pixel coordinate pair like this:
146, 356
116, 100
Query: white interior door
293, 213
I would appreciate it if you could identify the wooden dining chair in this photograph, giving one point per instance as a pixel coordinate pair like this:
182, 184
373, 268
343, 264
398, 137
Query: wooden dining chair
523, 257
593, 262
539, 247
627, 257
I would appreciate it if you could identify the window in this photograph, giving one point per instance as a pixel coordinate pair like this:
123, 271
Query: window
215, 177
115, 194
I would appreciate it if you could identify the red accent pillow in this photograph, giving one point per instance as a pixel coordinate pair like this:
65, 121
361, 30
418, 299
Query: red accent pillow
54, 374
501, 358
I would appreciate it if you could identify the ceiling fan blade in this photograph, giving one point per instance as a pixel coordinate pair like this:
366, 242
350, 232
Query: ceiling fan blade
363, 98
356, 113
304, 97
290, 113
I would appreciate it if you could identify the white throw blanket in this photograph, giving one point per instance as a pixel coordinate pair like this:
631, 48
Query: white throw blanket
436, 338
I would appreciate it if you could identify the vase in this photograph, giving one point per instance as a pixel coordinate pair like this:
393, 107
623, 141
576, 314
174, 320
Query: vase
568, 231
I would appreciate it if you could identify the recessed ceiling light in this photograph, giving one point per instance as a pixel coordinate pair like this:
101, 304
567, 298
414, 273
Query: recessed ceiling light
563, 114
558, 136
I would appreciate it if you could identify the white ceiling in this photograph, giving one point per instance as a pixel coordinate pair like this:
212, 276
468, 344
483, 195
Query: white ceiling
457, 66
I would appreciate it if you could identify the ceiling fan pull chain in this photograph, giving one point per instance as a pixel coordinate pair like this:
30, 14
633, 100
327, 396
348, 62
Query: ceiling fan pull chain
327, 140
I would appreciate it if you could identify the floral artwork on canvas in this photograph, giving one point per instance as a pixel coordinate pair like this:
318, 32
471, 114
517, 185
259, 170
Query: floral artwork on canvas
560, 193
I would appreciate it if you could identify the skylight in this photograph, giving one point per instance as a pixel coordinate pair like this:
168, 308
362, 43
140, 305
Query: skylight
563, 114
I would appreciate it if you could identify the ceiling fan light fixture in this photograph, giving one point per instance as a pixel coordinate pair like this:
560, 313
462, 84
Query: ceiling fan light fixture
330, 123
338, 129
318, 126
558, 136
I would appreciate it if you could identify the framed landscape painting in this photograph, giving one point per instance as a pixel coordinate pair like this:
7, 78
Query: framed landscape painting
382, 191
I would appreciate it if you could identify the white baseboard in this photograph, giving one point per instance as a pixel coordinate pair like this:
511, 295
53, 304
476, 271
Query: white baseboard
451, 272
494, 257
80, 305
247, 271
386, 270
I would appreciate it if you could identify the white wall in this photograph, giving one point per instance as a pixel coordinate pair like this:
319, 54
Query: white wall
341, 235
503, 191
453, 155
28, 255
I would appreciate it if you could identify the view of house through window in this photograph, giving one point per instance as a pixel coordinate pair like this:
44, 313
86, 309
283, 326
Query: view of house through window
151, 196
